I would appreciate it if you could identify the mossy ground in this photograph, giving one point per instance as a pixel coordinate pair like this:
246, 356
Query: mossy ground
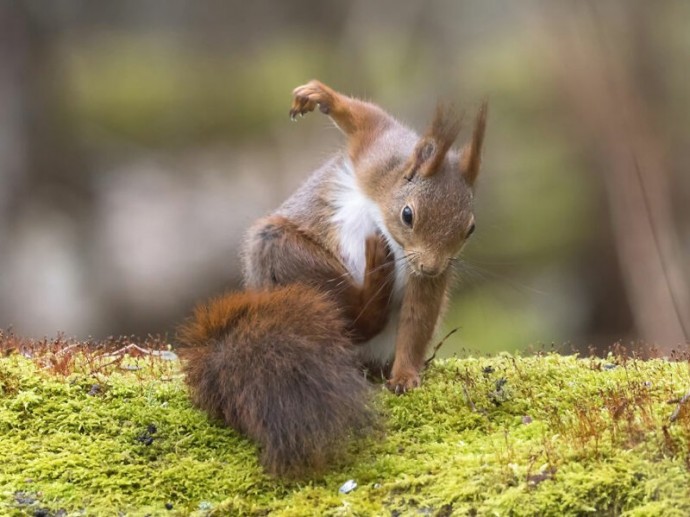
85, 433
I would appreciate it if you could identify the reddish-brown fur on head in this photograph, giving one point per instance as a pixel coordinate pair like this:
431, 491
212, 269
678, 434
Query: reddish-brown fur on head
428, 210
278, 367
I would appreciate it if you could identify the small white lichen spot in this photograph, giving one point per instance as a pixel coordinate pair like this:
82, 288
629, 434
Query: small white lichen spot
348, 486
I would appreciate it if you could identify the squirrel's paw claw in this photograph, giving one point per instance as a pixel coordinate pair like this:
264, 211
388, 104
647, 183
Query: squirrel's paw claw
401, 384
307, 97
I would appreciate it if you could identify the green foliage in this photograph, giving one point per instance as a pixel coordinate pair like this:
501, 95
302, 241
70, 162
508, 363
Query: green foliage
505, 435
151, 91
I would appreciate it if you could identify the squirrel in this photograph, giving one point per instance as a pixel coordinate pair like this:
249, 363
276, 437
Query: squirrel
350, 274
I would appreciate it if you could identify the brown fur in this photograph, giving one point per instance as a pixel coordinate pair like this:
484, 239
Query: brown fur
279, 362
397, 168
419, 322
277, 366
361, 121
282, 253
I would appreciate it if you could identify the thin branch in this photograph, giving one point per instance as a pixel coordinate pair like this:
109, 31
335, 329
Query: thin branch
439, 345
676, 412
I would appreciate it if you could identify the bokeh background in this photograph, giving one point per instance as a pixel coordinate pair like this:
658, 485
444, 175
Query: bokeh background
139, 139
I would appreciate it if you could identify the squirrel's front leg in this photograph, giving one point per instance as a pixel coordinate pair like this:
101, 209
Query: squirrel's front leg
359, 120
421, 307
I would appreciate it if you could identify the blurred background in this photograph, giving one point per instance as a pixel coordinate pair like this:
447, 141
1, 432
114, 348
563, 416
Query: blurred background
139, 139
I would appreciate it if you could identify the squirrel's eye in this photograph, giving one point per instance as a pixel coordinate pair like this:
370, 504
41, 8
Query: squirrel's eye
406, 216
470, 231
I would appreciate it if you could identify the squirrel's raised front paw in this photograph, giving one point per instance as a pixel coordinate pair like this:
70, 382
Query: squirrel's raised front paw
402, 383
306, 97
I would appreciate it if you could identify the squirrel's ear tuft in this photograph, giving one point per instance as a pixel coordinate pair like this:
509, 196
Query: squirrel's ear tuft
472, 152
422, 154
432, 148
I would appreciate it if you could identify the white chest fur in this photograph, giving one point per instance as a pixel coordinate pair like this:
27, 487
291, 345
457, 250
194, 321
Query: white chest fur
354, 219
357, 217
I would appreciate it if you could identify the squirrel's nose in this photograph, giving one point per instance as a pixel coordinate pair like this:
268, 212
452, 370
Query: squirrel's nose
426, 270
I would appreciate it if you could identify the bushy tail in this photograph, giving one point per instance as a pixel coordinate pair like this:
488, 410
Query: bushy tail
278, 367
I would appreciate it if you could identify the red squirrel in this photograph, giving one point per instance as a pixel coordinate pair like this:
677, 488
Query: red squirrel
351, 272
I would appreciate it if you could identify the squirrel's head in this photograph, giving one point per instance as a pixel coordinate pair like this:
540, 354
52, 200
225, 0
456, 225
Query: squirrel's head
430, 214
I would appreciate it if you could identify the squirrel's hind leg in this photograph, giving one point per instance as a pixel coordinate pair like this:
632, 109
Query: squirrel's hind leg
280, 253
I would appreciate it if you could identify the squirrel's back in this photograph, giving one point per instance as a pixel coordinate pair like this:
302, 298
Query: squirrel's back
279, 367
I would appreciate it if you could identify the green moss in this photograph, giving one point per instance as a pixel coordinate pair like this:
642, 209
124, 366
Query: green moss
548, 435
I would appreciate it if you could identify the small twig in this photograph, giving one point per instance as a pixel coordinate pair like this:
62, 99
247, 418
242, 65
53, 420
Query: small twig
439, 345
98, 369
128, 350
68, 348
676, 412
469, 400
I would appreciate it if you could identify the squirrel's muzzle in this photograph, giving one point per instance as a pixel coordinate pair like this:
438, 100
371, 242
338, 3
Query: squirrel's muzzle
428, 265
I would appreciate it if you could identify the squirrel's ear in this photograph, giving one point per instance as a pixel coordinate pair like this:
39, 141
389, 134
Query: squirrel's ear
472, 152
432, 148
422, 155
